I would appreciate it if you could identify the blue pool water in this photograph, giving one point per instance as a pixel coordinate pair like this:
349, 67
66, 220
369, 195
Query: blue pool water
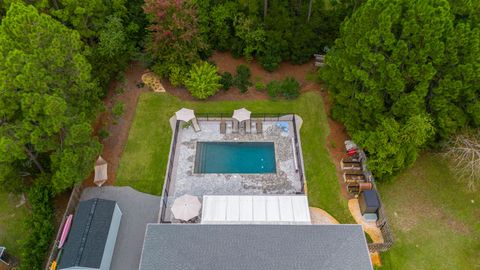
235, 157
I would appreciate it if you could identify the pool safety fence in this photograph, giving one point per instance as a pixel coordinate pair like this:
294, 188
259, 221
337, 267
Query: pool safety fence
226, 116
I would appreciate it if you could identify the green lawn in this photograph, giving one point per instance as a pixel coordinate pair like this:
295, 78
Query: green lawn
435, 223
145, 157
11, 220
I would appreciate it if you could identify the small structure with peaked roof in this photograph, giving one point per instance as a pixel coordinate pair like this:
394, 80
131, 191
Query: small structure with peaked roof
92, 237
101, 172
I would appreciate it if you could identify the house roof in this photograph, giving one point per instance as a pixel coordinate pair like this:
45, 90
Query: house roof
193, 246
88, 235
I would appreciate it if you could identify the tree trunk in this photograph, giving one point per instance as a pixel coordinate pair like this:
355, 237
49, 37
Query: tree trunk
34, 159
265, 7
309, 10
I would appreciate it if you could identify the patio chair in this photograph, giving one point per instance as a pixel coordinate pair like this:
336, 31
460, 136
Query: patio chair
248, 126
234, 126
259, 126
223, 127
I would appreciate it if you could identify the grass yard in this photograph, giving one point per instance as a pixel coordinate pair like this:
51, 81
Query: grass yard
435, 223
11, 220
144, 160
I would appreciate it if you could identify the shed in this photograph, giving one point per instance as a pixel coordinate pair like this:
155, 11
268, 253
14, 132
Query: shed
92, 237
279, 247
255, 209
369, 202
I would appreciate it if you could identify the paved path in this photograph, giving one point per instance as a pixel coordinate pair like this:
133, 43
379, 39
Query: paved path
138, 209
320, 216
369, 227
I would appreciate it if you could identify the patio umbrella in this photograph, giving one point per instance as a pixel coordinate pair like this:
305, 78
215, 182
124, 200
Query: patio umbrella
100, 172
241, 114
185, 115
186, 207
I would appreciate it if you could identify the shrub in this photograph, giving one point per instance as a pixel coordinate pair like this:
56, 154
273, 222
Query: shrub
203, 80
260, 86
274, 88
103, 134
226, 81
118, 109
38, 226
242, 80
290, 88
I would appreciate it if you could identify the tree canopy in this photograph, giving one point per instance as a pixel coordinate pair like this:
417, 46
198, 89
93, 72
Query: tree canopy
404, 73
47, 100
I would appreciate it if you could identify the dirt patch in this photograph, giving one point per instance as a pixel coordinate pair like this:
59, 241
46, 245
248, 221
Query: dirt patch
118, 129
226, 62
335, 142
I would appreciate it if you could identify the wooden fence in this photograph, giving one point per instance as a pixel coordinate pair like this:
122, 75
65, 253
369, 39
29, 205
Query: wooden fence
71, 206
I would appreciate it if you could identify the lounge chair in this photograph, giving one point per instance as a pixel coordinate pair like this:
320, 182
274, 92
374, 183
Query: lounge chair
223, 127
248, 126
242, 127
234, 126
195, 125
259, 126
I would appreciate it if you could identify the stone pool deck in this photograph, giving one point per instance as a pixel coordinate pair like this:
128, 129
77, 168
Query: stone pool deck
286, 180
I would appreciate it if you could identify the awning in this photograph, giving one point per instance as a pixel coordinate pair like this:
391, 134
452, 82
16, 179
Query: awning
255, 210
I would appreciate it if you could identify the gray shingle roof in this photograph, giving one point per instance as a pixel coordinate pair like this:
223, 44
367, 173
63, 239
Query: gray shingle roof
88, 234
174, 246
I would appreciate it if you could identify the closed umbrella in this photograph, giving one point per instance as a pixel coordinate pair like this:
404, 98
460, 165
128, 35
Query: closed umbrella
241, 114
186, 207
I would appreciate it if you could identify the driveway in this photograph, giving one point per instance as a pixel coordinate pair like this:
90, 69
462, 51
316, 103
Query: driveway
138, 209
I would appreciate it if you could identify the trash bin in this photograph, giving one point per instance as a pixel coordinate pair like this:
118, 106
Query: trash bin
369, 202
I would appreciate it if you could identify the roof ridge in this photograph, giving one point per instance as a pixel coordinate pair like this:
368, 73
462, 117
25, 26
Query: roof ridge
86, 231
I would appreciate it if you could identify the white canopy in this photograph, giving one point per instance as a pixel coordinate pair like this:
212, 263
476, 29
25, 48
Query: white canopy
186, 207
255, 210
241, 114
185, 114
101, 174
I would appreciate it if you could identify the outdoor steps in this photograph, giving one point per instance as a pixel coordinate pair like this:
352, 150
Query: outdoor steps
199, 158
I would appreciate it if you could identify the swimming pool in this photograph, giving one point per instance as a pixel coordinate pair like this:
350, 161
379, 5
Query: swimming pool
235, 157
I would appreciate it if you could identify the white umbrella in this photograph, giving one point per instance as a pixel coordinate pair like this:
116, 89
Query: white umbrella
241, 114
185, 115
186, 207
100, 172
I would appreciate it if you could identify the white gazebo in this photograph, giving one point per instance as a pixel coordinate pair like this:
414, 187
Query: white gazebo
187, 115
101, 172
186, 207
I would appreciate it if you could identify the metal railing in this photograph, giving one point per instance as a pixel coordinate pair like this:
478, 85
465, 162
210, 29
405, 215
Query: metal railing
168, 179
260, 116
217, 117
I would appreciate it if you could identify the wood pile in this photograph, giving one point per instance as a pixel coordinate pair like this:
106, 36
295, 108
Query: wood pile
153, 82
